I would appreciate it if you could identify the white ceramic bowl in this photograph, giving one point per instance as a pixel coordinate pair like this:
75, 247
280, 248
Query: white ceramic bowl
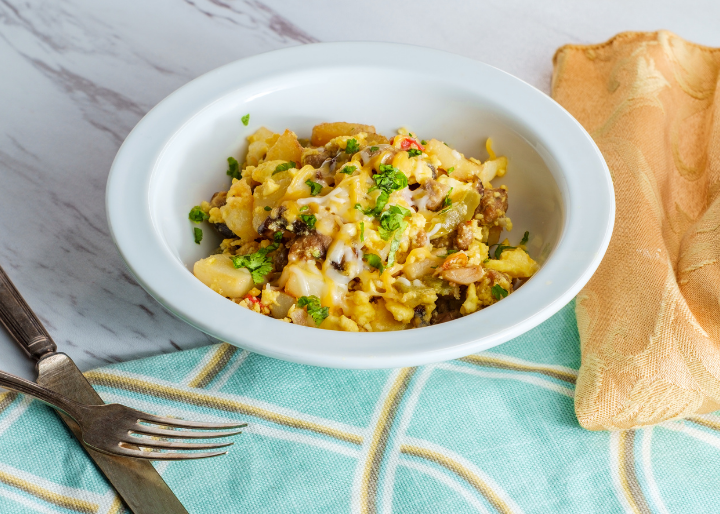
560, 188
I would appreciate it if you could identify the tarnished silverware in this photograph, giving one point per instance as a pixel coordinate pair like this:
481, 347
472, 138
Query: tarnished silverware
119, 430
136, 480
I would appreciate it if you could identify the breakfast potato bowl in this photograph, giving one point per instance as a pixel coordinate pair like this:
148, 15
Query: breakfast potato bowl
560, 187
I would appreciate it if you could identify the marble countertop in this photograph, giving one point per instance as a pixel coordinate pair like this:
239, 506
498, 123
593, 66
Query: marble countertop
78, 75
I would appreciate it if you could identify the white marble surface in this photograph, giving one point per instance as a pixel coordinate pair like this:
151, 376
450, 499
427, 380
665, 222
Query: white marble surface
76, 75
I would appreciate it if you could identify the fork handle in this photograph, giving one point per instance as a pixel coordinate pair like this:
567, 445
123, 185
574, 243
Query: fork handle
22, 323
43, 394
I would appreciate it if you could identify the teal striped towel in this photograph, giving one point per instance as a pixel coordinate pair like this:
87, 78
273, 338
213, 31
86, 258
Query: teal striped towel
492, 433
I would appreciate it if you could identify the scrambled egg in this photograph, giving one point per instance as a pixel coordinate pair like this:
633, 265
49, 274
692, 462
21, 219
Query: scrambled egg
353, 231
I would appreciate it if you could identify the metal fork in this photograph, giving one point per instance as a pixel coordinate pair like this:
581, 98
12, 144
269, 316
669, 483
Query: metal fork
117, 429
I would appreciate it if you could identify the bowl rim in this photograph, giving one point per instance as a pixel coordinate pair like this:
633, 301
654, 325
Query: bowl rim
588, 197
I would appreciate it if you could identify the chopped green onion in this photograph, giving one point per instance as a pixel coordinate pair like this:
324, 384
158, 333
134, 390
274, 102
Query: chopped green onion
284, 167
314, 308
197, 214
498, 291
233, 170
352, 146
315, 188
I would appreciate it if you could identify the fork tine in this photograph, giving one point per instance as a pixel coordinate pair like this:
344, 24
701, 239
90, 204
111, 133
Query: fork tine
178, 434
183, 423
138, 454
145, 442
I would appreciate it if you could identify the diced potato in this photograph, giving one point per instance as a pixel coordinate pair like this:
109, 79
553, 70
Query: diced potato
218, 273
261, 134
449, 158
303, 280
238, 210
286, 148
515, 263
265, 170
376, 139
491, 169
300, 317
325, 132
278, 302
260, 142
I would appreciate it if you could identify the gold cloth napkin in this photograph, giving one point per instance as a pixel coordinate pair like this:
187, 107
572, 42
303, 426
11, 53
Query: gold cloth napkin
649, 319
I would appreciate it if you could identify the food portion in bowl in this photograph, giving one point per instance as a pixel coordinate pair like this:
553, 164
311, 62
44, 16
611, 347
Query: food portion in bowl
357, 232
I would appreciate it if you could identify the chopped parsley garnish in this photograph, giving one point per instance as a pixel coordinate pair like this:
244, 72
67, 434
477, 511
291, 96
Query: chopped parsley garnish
392, 223
501, 248
525, 238
423, 142
392, 220
374, 261
352, 146
197, 214
348, 170
284, 167
268, 208
197, 232
258, 263
447, 202
314, 309
362, 231
315, 188
374, 148
309, 220
233, 168
498, 291
450, 170
411, 134
304, 208
389, 179
277, 236
450, 251
394, 245
245, 119
413, 152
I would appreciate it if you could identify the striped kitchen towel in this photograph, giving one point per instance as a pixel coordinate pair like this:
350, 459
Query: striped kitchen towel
493, 433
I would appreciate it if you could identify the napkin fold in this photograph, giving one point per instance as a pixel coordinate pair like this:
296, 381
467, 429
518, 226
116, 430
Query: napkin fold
649, 319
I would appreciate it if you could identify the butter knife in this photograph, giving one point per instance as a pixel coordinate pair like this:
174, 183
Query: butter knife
136, 481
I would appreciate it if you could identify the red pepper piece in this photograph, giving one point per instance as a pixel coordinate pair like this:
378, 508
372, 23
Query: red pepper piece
408, 142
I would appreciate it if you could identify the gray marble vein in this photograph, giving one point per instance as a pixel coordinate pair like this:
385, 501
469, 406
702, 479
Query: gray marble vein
77, 75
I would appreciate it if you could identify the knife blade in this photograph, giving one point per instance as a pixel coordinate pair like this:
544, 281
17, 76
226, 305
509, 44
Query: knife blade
136, 481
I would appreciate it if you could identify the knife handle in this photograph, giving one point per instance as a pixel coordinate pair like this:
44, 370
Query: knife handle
22, 323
